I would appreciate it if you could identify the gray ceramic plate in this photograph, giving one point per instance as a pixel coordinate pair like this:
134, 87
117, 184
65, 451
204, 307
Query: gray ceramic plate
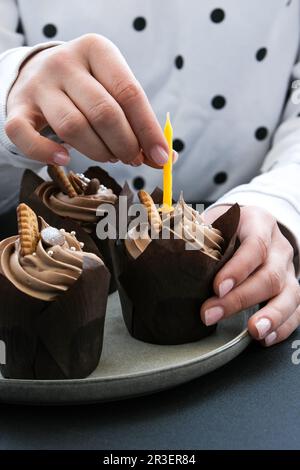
129, 367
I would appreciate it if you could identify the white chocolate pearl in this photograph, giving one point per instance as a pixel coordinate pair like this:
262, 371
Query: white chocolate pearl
83, 178
62, 230
73, 248
34, 254
73, 233
81, 244
50, 253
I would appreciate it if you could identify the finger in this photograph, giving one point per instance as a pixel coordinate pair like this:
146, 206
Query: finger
284, 331
22, 129
150, 163
104, 115
72, 127
117, 78
251, 254
138, 161
276, 312
260, 286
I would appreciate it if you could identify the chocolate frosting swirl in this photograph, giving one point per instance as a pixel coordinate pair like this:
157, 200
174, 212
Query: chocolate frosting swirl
183, 222
46, 273
82, 208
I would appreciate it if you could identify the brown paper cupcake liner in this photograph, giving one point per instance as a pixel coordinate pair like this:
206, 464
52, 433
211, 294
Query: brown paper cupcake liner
162, 291
61, 339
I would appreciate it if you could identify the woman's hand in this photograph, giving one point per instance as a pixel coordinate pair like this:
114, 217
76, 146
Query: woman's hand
261, 270
85, 91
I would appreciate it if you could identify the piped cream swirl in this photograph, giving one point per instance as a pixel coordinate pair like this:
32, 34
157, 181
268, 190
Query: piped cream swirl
48, 272
183, 223
85, 209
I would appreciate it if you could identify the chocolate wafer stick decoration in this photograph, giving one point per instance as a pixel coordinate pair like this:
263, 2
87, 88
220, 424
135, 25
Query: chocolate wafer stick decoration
59, 177
77, 183
28, 228
153, 214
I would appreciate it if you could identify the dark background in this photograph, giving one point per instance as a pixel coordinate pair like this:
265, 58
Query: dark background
251, 403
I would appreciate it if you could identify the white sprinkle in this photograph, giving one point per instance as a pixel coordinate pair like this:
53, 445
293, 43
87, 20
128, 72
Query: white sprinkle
102, 187
50, 253
83, 178
73, 233
62, 230
73, 248
81, 244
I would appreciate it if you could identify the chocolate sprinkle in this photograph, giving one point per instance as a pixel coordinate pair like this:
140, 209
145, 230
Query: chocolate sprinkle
92, 187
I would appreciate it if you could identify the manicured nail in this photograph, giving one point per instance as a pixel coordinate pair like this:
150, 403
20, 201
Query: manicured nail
213, 315
271, 338
135, 164
159, 155
61, 158
137, 161
225, 287
263, 326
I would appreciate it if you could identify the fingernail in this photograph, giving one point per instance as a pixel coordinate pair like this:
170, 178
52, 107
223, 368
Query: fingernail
175, 157
159, 155
137, 161
135, 164
263, 326
213, 315
61, 158
271, 338
225, 287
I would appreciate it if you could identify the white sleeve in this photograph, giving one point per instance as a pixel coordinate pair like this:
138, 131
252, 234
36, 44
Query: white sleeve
13, 52
277, 187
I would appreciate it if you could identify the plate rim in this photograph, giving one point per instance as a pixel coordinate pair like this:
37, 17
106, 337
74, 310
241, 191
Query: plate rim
244, 334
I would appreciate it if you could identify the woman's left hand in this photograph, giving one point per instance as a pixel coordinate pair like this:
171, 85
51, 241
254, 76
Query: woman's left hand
261, 270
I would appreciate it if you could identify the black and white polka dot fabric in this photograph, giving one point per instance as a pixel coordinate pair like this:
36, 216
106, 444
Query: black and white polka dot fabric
222, 68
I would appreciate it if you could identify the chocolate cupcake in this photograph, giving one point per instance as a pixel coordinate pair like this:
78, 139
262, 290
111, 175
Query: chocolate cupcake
78, 197
165, 270
55, 295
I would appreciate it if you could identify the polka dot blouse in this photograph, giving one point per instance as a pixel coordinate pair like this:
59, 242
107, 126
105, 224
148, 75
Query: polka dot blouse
227, 71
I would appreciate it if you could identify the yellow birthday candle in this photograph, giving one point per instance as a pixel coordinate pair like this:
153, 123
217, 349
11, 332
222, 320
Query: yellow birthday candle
168, 167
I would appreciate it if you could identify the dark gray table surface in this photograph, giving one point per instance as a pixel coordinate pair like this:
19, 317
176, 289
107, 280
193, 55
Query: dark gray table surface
251, 403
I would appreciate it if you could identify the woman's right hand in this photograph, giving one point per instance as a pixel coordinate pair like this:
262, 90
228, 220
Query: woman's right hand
85, 91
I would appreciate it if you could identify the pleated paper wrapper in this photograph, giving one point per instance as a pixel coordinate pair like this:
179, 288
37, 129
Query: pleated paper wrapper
162, 291
55, 340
